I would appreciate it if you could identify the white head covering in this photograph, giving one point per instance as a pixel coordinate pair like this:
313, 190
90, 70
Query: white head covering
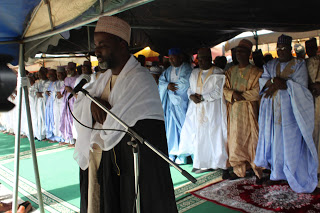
155, 70
114, 26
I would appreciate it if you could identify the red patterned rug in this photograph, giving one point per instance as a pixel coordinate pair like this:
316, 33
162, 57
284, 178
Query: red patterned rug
244, 195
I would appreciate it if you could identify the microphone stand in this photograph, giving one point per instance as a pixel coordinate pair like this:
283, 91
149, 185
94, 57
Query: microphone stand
136, 136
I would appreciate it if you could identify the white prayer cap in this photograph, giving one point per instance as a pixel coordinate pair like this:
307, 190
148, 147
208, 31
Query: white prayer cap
114, 26
155, 70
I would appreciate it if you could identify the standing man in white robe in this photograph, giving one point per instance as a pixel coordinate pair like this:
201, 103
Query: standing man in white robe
40, 87
204, 133
32, 100
105, 159
58, 101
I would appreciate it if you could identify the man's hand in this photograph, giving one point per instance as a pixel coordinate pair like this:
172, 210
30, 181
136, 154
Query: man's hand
173, 87
237, 96
59, 95
68, 89
196, 98
97, 113
269, 93
280, 83
39, 94
48, 93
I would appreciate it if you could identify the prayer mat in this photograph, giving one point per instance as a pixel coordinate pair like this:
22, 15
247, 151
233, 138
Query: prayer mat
245, 196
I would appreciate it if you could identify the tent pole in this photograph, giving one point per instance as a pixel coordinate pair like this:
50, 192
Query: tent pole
101, 7
23, 85
17, 140
255, 35
32, 144
89, 40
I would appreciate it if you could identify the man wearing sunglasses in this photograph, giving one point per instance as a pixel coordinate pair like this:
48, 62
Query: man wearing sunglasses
286, 121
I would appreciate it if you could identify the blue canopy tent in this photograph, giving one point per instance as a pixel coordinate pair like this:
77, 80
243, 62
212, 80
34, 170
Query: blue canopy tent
13, 16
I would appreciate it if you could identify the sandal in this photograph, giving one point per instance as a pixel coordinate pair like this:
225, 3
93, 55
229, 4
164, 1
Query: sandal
24, 207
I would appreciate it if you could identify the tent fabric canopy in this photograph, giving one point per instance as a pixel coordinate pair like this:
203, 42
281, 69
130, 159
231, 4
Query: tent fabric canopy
271, 38
163, 24
160, 24
62, 11
32, 16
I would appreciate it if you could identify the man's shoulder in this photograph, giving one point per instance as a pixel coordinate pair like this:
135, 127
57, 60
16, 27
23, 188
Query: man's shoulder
256, 69
218, 70
299, 60
195, 71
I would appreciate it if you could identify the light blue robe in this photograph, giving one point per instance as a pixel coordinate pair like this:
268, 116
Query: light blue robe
49, 114
175, 105
285, 130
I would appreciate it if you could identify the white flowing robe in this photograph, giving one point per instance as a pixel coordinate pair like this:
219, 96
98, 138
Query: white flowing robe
33, 110
134, 97
41, 86
204, 133
57, 108
92, 79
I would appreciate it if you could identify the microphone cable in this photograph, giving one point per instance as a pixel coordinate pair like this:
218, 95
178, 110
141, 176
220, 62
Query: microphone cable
119, 130
128, 133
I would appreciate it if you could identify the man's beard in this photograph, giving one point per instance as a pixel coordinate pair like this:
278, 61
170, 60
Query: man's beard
103, 65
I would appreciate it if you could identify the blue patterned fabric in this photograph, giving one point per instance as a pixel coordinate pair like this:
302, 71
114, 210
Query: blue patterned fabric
49, 115
286, 125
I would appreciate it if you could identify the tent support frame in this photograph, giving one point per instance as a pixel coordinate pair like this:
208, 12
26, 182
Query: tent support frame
88, 21
22, 86
31, 19
49, 13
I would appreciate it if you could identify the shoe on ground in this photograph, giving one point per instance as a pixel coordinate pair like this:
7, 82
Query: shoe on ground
233, 176
225, 174
203, 170
194, 170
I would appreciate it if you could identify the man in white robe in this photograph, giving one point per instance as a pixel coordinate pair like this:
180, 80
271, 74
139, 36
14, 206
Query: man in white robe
58, 101
105, 159
32, 101
204, 133
86, 71
40, 87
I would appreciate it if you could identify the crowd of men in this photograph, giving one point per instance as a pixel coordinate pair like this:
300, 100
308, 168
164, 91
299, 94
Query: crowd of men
259, 117
262, 122
48, 95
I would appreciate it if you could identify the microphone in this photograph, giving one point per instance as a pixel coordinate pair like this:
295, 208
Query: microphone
84, 80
